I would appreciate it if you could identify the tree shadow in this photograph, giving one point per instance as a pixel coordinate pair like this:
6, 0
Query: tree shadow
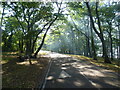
21, 74
78, 79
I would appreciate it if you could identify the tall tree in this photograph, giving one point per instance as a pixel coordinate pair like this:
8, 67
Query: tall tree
29, 15
100, 34
43, 39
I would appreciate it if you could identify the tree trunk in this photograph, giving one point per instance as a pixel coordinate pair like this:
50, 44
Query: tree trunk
87, 47
34, 41
9, 42
100, 35
41, 44
2, 15
22, 46
94, 55
19, 46
30, 62
111, 42
119, 42
39, 48
88, 39
106, 58
111, 47
1, 31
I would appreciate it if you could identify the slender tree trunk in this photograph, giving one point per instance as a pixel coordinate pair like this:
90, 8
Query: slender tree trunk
87, 47
29, 38
30, 62
19, 46
34, 41
111, 47
100, 35
108, 46
119, 42
1, 31
9, 42
111, 41
119, 47
22, 46
27, 47
88, 40
73, 41
2, 14
106, 58
94, 55
30, 48
104, 51
39, 48
41, 44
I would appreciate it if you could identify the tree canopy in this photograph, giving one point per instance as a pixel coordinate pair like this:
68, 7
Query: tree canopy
84, 28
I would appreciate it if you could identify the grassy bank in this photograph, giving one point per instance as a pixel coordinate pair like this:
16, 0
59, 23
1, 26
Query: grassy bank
100, 62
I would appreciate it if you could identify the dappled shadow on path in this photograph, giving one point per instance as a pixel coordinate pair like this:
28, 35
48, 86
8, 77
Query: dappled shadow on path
83, 74
21, 74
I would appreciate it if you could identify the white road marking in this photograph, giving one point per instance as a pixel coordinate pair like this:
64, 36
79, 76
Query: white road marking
92, 83
43, 86
63, 74
87, 78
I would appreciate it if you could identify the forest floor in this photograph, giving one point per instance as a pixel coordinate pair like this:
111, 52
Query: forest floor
17, 74
23, 75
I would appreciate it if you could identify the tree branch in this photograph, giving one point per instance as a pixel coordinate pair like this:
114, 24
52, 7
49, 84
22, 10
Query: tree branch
90, 15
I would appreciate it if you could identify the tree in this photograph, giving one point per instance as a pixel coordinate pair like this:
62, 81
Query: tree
43, 39
27, 15
100, 34
32, 19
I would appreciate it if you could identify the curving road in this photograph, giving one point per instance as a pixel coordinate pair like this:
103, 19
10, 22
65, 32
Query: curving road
67, 72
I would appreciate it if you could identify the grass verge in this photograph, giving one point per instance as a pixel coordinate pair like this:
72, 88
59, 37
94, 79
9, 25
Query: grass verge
100, 62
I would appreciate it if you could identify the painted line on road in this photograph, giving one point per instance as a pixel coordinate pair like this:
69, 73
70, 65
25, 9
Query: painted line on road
94, 84
43, 86
87, 78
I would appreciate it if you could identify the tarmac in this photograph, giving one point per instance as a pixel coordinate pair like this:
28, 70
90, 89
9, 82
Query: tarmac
67, 72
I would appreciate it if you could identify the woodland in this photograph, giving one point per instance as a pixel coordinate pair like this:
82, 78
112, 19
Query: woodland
87, 30
81, 28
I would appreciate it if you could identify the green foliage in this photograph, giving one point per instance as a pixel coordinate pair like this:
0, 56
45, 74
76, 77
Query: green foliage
74, 5
25, 23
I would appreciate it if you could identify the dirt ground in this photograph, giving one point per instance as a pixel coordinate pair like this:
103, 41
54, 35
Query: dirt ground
21, 74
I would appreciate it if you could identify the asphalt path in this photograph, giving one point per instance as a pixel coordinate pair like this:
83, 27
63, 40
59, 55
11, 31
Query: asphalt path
67, 72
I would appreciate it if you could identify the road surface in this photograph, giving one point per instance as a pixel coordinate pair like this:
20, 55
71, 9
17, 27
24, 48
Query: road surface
67, 72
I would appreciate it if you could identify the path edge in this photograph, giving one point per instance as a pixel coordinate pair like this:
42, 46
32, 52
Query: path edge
41, 86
